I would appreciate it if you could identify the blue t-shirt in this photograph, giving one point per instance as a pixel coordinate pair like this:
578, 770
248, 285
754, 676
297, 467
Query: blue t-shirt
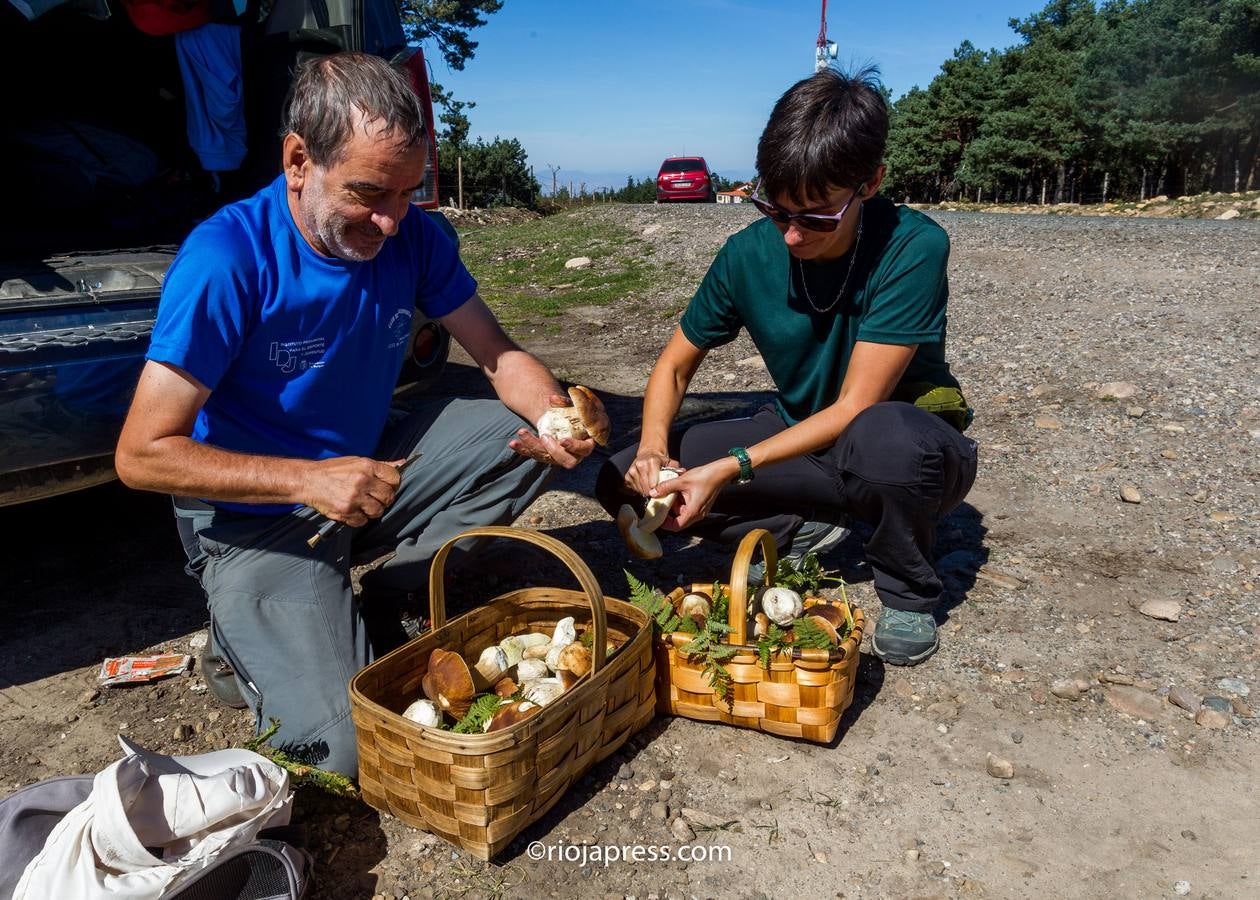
300, 351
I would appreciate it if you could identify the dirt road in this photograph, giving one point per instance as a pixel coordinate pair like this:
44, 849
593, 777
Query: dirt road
1113, 364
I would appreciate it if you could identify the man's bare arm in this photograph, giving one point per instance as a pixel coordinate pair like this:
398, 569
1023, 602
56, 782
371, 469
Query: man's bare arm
519, 379
156, 453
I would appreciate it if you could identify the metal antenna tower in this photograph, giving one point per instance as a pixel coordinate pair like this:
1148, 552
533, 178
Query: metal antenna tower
825, 50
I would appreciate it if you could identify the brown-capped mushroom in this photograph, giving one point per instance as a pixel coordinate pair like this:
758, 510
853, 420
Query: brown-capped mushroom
638, 533
585, 418
762, 626
575, 658
826, 626
504, 687
510, 714
833, 614
449, 683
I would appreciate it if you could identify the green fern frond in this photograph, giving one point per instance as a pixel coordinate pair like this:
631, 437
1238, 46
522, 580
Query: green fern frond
809, 636
720, 606
662, 613
806, 576
478, 714
300, 772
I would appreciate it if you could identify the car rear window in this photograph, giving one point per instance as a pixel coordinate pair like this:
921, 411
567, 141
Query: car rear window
682, 165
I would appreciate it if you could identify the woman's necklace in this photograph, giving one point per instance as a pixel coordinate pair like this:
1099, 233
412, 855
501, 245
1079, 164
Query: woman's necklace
840, 293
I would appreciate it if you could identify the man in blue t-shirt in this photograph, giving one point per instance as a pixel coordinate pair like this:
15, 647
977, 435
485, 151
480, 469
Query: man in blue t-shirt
264, 405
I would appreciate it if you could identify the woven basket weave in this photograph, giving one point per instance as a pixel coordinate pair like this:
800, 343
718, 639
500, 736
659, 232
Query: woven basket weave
480, 790
801, 695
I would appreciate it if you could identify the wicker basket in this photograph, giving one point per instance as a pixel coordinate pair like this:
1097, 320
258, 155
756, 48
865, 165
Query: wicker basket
801, 695
480, 790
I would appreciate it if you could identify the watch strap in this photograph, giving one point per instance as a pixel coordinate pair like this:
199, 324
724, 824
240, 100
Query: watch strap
745, 464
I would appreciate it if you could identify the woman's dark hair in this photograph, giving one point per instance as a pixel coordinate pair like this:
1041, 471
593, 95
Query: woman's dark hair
330, 94
827, 131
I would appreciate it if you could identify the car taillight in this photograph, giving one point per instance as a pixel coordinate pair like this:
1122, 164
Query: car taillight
425, 345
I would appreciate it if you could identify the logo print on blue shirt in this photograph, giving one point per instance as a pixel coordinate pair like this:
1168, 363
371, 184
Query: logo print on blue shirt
399, 328
293, 356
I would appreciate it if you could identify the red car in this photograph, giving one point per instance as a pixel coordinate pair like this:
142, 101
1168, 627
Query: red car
685, 178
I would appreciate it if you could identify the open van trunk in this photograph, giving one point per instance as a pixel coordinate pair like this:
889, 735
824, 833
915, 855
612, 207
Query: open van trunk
101, 187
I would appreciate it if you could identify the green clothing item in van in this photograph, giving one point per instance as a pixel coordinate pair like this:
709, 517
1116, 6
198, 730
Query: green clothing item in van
895, 295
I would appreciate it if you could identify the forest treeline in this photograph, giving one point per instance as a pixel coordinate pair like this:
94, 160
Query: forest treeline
1123, 100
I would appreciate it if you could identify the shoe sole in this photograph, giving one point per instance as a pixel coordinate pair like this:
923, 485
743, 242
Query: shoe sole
220, 681
831, 540
901, 659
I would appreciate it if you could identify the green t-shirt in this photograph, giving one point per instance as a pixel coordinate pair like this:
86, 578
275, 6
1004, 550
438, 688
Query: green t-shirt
895, 295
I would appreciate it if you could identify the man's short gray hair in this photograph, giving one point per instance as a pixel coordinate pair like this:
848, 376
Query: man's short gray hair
331, 94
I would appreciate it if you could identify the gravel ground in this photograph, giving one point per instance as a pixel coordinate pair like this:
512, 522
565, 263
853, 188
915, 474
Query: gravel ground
1103, 567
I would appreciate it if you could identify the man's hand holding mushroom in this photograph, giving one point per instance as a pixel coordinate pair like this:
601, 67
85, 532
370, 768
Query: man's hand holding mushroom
568, 431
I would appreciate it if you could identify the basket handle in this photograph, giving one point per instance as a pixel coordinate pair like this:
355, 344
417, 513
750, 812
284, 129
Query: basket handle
738, 610
573, 562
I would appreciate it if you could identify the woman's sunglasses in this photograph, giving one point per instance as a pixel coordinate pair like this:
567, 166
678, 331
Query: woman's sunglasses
812, 221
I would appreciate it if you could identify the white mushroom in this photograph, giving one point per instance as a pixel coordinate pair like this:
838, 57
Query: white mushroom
492, 663
425, 712
782, 605
695, 607
553, 656
533, 639
638, 532
513, 649
531, 670
565, 633
585, 418
543, 691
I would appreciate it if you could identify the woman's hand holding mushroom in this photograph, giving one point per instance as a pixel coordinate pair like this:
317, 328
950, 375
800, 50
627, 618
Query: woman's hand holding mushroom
645, 471
696, 489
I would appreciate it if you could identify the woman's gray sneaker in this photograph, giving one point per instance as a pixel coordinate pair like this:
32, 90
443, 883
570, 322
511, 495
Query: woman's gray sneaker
812, 537
904, 638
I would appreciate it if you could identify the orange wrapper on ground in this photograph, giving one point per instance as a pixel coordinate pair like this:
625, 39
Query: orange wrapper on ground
137, 669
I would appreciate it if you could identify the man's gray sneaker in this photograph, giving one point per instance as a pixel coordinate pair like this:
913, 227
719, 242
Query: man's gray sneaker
813, 537
904, 638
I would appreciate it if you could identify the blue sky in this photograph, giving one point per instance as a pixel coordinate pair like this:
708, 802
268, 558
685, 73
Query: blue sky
608, 88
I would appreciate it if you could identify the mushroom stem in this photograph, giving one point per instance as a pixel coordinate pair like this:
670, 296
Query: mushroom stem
636, 531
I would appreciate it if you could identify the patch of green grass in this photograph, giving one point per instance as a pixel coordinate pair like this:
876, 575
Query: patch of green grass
520, 268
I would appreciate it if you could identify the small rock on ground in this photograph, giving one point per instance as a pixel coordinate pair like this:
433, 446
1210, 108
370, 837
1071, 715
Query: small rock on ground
1165, 610
998, 767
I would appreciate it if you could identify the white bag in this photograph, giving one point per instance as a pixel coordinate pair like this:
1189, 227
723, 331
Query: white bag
187, 808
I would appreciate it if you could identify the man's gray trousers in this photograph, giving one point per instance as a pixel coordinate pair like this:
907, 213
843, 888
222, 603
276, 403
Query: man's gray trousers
284, 615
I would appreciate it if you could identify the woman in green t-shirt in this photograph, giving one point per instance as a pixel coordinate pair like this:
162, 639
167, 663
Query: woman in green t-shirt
844, 295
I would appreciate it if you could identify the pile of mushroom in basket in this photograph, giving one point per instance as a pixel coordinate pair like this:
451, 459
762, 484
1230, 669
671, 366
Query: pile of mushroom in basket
476, 729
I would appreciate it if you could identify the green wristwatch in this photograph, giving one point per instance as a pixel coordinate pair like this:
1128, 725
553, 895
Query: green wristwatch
745, 464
